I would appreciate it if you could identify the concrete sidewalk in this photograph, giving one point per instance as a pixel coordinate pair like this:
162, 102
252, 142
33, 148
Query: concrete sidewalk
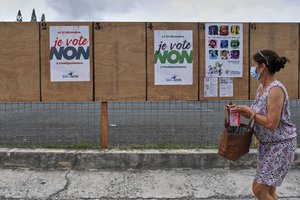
137, 184
34, 174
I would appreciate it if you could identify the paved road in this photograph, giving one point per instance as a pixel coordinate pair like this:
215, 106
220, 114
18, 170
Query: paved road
186, 123
218, 184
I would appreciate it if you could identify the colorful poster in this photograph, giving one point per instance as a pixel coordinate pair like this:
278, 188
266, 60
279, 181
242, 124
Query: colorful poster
173, 57
224, 50
69, 53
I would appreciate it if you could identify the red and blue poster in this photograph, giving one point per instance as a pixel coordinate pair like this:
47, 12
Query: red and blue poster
69, 53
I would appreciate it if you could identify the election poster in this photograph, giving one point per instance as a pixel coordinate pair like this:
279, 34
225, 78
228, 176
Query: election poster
223, 50
69, 53
173, 57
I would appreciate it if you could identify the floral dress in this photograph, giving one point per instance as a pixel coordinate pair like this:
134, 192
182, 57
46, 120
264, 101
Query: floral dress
277, 148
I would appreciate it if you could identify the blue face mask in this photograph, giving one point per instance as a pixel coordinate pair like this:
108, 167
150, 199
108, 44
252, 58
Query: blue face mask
254, 74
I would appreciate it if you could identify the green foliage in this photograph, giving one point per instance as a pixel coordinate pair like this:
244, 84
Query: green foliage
168, 146
133, 146
69, 146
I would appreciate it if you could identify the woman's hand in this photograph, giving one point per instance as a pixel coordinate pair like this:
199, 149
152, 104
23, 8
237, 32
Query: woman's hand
230, 106
243, 110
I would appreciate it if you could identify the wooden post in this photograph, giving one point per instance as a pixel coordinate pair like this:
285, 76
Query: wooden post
104, 125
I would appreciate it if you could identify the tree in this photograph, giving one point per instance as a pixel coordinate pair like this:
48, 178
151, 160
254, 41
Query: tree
19, 17
33, 16
43, 18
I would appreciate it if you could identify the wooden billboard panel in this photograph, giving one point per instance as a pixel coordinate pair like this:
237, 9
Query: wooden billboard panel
63, 91
171, 92
240, 84
283, 38
19, 61
120, 61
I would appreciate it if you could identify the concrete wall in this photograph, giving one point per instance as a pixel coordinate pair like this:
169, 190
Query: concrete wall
51, 159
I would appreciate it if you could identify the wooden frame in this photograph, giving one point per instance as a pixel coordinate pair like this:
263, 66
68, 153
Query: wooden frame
19, 62
284, 39
63, 91
240, 85
171, 92
120, 61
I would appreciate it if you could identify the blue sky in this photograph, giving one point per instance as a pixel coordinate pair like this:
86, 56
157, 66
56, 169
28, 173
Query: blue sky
154, 10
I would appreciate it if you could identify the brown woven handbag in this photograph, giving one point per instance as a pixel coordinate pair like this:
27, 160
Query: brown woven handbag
235, 140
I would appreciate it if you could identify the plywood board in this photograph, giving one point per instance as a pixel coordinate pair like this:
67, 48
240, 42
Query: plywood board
171, 92
120, 61
19, 62
240, 84
63, 91
283, 38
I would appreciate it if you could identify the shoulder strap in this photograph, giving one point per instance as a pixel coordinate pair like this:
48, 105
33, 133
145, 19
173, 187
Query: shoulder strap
226, 116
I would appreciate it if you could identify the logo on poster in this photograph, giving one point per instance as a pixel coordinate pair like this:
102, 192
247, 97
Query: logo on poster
174, 78
70, 75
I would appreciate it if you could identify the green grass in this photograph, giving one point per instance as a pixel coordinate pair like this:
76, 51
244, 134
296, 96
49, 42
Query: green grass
125, 147
167, 146
70, 146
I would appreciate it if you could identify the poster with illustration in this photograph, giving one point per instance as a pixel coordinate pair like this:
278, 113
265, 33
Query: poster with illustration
223, 50
173, 57
69, 53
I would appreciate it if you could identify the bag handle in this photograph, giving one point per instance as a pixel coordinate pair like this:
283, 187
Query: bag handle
251, 121
226, 116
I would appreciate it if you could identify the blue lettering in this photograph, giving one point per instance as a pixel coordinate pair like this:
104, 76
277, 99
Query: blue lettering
69, 53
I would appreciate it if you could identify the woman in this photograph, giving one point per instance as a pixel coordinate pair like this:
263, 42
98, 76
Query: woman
273, 127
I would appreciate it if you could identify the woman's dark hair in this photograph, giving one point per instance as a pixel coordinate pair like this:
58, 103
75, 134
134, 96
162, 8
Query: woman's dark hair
273, 62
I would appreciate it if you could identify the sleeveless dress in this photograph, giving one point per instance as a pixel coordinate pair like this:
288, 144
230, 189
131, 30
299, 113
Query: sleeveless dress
276, 150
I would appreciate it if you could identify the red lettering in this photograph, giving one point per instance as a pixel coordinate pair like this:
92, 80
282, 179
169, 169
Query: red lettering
57, 42
75, 42
68, 42
81, 41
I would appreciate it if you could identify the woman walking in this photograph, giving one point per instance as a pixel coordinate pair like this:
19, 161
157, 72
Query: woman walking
273, 127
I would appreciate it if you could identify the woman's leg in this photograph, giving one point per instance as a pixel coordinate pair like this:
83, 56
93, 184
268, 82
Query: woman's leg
272, 192
261, 191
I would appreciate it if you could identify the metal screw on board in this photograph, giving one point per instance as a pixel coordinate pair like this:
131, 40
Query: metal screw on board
19, 17
33, 16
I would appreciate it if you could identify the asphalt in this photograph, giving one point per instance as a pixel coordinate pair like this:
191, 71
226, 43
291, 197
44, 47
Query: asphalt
165, 123
137, 184
197, 174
